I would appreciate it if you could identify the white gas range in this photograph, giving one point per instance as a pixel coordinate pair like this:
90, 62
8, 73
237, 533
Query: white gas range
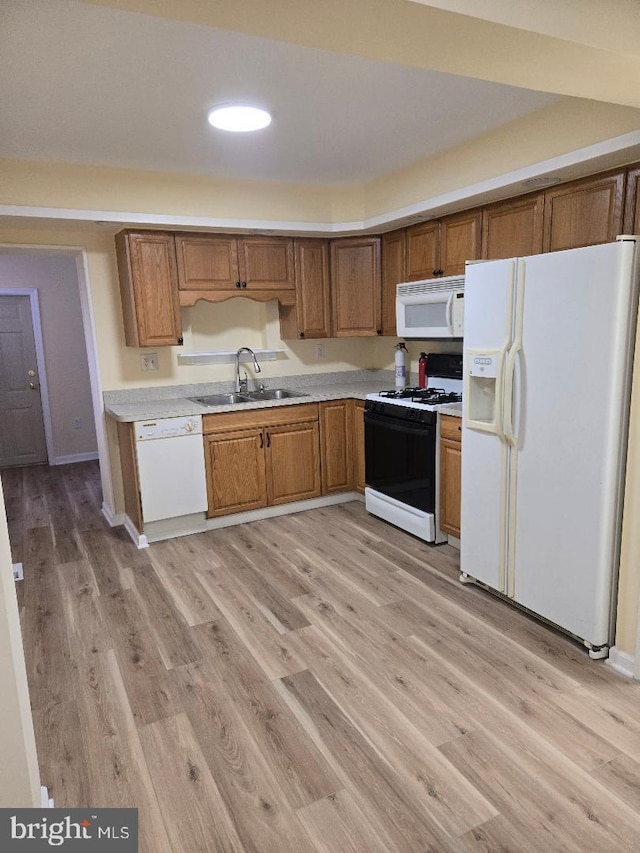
401, 460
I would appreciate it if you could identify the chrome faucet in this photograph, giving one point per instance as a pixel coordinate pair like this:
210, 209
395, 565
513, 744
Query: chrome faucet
241, 384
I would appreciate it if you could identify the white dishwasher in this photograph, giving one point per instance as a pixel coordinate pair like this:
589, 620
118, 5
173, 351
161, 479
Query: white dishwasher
171, 467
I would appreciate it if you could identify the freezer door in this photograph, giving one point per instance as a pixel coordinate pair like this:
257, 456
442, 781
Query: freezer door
489, 297
571, 388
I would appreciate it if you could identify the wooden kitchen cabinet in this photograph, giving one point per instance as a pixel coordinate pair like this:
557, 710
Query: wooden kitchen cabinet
460, 241
310, 317
440, 248
149, 288
450, 474
631, 224
259, 458
336, 446
513, 228
356, 292
236, 477
423, 251
219, 266
583, 213
293, 462
393, 273
358, 446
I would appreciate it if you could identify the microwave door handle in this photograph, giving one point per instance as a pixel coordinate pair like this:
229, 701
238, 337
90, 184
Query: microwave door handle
449, 313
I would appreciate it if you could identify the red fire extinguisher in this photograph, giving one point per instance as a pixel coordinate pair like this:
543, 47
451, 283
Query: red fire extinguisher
422, 370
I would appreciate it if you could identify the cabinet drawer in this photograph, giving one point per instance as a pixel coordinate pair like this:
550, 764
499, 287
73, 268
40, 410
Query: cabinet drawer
294, 414
451, 427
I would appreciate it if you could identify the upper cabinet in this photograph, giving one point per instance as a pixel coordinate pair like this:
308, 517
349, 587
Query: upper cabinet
356, 286
513, 228
310, 317
207, 262
223, 265
423, 251
441, 247
393, 272
632, 203
149, 288
583, 213
459, 241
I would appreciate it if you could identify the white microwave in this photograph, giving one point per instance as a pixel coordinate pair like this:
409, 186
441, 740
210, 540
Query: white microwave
433, 308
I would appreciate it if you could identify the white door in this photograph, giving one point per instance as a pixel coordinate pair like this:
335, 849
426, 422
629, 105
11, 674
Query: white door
22, 438
570, 410
489, 298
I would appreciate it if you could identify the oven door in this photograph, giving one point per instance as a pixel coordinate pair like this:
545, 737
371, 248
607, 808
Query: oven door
400, 460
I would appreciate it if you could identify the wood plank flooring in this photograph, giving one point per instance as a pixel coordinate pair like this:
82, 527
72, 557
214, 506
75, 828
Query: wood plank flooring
319, 682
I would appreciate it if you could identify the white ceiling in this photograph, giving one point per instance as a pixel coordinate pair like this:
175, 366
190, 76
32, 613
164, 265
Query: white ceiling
94, 85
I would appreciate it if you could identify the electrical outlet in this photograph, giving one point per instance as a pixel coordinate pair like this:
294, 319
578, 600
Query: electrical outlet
149, 361
319, 352
76, 423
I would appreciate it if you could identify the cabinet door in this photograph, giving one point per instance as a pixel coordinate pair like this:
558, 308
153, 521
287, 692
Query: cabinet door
236, 479
266, 263
459, 241
358, 445
583, 213
356, 287
513, 228
207, 262
310, 317
393, 272
149, 288
335, 446
423, 251
292, 462
450, 480
632, 203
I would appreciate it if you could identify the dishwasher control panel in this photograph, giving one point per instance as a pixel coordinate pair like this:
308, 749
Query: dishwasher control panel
168, 427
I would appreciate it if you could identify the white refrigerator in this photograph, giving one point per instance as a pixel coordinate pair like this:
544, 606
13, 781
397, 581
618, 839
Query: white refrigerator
548, 349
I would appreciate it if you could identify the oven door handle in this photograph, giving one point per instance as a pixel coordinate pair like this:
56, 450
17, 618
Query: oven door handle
398, 425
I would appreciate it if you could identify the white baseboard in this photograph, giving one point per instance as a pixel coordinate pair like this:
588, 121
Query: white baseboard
622, 662
45, 799
114, 519
74, 457
139, 539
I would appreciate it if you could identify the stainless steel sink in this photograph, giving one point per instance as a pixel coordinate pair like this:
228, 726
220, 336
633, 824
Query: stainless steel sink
246, 397
220, 399
272, 394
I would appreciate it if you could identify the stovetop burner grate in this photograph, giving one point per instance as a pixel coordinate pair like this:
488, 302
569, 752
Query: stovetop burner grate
429, 396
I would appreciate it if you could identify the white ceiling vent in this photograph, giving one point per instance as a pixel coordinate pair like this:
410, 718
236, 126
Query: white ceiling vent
540, 181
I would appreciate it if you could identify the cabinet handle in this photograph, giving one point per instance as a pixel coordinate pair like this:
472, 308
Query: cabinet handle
302, 334
378, 331
459, 429
180, 341
237, 284
268, 440
261, 441
244, 283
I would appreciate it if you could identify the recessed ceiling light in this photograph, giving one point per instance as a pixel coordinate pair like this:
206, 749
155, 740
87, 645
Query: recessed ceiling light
238, 119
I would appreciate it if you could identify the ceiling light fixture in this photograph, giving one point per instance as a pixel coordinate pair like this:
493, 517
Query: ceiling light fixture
238, 118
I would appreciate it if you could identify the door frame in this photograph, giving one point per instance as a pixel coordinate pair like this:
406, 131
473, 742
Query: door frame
34, 302
79, 254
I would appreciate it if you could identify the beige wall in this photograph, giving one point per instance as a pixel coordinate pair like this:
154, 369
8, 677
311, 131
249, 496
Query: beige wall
67, 372
19, 777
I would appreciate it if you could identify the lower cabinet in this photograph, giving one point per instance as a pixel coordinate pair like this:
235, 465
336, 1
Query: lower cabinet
358, 445
450, 474
335, 441
261, 458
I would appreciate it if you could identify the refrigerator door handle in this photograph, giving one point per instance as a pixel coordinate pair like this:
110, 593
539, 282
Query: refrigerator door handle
512, 359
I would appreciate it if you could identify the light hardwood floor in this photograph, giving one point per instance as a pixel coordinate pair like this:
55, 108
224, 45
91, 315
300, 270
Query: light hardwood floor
316, 682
